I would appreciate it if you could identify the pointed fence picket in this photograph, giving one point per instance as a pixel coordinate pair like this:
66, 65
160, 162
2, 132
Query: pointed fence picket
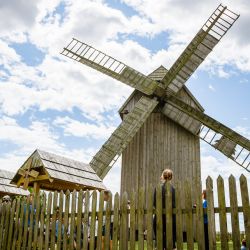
83, 220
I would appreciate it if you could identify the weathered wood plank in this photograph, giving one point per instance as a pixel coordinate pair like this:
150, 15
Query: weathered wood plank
20, 231
189, 216
31, 225
124, 222
149, 218
132, 220
107, 236
158, 214
2, 222
246, 207
53, 221
100, 221
234, 213
199, 216
37, 220
179, 224
41, 236
72, 221
65, 220
116, 223
6, 225
222, 213
16, 227
59, 222
26, 222
141, 219
79, 221
47, 224
86, 221
169, 217
210, 214
11, 227
93, 221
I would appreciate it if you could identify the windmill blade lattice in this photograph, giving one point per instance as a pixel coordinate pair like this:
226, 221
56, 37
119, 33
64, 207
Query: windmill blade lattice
105, 158
98, 60
222, 138
202, 44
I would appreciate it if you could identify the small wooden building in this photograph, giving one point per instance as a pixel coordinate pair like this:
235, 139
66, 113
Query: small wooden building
9, 189
53, 172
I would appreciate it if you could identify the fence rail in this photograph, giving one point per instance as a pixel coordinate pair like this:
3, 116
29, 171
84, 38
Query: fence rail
83, 220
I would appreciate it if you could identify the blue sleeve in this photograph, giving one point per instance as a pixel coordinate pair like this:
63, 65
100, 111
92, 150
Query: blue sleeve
205, 204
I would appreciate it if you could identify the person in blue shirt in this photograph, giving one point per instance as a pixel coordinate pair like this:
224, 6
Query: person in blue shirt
243, 245
204, 203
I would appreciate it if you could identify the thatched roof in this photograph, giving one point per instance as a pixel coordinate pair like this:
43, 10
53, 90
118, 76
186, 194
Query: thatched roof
6, 187
54, 172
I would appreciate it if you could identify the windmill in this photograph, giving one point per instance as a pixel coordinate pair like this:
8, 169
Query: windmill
162, 122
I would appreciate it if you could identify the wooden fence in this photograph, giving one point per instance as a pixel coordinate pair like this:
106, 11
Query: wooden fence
75, 220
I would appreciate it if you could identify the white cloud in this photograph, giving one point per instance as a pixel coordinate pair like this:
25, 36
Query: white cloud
85, 130
178, 19
245, 131
17, 15
37, 135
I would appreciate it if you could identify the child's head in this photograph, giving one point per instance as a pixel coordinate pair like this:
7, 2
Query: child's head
167, 175
204, 194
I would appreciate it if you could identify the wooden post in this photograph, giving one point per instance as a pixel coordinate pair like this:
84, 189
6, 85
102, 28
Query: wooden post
36, 188
246, 207
93, 220
210, 213
234, 213
179, 223
116, 222
150, 245
100, 221
222, 212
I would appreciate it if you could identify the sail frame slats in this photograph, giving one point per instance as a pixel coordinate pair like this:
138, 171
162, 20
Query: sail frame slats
199, 48
109, 66
102, 161
232, 139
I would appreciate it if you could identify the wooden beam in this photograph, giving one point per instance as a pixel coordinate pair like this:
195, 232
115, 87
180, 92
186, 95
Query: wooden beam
20, 181
36, 188
39, 178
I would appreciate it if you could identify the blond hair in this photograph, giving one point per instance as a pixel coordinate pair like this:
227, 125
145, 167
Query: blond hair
167, 174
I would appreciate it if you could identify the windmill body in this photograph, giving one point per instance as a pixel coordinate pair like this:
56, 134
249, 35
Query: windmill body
161, 121
160, 143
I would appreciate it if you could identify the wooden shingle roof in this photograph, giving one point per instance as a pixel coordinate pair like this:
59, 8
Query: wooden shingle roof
8, 189
55, 172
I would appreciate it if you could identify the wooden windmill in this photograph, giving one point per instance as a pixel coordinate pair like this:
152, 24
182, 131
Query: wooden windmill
162, 121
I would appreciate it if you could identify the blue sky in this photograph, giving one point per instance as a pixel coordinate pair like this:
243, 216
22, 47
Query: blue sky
52, 103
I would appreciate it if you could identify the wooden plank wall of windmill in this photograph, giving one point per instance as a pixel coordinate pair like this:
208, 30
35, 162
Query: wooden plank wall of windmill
159, 144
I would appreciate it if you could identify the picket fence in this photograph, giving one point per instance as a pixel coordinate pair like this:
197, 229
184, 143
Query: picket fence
75, 220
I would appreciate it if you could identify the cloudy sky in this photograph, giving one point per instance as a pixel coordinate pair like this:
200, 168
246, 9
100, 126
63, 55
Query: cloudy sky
52, 103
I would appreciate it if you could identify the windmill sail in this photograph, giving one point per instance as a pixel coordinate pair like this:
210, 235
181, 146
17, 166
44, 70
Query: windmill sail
97, 60
118, 141
202, 44
222, 138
